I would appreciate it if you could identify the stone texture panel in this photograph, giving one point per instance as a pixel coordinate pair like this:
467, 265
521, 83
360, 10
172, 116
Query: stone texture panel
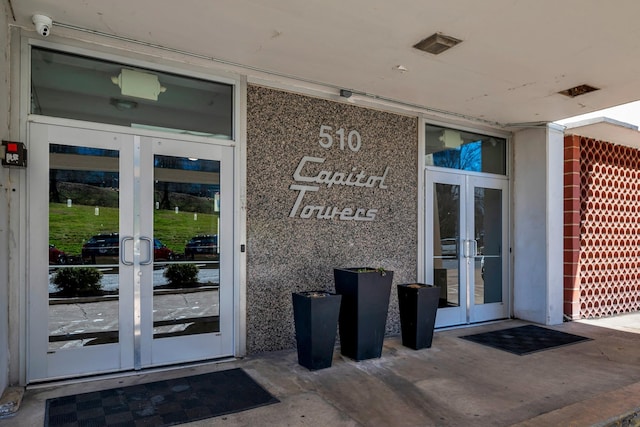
288, 254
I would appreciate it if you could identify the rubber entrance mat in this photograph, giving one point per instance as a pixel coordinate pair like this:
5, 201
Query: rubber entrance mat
525, 339
161, 403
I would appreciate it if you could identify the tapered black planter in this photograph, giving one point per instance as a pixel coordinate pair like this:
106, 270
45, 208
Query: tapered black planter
363, 312
316, 319
418, 304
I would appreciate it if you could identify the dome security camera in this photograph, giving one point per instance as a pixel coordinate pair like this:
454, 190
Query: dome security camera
43, 24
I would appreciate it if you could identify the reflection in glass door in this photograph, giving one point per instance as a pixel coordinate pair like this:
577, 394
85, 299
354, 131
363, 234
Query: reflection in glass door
139, 271
190, 204
466, 229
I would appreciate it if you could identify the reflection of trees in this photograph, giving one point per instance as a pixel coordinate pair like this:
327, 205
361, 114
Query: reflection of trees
479, 215
164, 201
467, 157
448, 197
185, 195
54, 194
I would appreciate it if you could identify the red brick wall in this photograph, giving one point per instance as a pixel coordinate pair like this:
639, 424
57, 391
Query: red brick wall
601, 228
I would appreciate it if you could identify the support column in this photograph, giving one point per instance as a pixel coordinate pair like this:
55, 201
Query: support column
538, 224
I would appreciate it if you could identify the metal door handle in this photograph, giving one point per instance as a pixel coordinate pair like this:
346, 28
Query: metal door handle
470, 248
149, 259
122, 258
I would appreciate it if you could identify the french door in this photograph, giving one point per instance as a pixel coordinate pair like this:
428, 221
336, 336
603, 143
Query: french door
467, 246
139, 270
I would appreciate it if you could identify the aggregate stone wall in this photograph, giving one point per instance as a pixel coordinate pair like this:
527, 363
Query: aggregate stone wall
328, 185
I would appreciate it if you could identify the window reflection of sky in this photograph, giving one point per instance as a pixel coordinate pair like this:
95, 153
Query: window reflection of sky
467, 157
465, 150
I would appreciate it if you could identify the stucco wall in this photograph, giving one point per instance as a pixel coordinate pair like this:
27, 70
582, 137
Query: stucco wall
287, 252
4, 134
537, 224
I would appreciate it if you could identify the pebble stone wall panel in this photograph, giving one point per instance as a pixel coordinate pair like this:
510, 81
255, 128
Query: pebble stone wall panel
608, 266
296, 237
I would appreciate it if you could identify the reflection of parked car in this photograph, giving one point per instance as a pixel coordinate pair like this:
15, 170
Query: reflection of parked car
161, 251
56, 256
104, 248
205, 246
449, 246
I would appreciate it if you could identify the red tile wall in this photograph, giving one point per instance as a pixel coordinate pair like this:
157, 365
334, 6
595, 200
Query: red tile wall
601, 228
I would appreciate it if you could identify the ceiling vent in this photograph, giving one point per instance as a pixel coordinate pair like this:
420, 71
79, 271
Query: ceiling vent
437, 43
578, 90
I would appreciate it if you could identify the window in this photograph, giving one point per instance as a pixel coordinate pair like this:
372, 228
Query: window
456, 149
83, 88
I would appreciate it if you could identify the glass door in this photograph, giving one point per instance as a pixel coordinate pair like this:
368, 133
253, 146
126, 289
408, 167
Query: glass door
120, 289
187, 209
466, 236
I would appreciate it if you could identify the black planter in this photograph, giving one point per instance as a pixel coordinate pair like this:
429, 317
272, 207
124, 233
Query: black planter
418, 304
316, 319
363, 312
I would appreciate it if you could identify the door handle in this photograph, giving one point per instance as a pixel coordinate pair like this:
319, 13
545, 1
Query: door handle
470, 248
149, 259
466, 248
122, 257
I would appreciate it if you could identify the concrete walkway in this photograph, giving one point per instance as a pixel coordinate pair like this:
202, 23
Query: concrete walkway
455, 383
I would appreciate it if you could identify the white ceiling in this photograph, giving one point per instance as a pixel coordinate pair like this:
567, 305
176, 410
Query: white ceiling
515, 55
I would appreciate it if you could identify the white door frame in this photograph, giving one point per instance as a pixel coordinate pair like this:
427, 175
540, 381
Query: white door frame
468, 259
128, 353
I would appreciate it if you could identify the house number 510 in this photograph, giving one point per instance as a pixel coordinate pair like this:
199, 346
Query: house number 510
353, 139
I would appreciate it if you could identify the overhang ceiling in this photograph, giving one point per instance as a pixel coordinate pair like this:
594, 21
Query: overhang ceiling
514, 58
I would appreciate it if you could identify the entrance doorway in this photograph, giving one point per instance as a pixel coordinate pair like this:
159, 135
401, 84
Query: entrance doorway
139, 270
466, 219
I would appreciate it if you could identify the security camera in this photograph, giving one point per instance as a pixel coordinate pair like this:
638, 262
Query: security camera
43, 24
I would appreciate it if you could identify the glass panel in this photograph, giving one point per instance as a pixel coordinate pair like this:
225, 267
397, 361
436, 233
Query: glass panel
82, 88
446, 238
83, 229
186, 277
455, 149
488, 235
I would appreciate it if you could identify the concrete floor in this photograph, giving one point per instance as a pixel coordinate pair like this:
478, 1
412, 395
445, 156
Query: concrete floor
454, 383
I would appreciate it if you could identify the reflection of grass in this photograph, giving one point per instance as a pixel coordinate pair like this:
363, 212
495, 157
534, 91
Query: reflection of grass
70, 227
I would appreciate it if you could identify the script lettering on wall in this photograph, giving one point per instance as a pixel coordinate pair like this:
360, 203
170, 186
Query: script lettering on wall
351, 176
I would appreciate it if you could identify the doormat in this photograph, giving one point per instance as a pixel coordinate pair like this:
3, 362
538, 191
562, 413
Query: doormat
527, 339
161, 403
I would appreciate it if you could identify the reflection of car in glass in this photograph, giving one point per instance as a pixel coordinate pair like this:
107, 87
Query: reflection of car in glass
104, 248
56, 256
161, 251
205, 246
449, 247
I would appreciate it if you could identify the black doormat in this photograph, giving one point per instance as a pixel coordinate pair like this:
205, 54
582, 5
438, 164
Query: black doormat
161, 403
527, 339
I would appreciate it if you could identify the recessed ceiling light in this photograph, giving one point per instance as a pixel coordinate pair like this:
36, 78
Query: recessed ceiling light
437, 43
578, 90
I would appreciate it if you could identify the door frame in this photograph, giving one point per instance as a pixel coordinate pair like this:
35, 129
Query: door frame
119, 357
467, 312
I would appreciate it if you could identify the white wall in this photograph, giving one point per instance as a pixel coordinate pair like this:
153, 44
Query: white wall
4, 134
538, 224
